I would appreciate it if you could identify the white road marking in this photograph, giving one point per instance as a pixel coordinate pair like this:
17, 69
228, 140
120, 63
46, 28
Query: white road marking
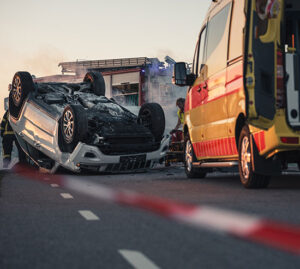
88, 215
66, 195
137, 259
54, 185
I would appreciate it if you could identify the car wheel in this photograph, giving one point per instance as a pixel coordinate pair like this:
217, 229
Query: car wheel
22, 85
189, 158
73, 127
152, 117
97, 81
249, 178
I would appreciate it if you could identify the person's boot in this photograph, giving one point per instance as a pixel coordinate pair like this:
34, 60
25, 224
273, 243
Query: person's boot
6, 162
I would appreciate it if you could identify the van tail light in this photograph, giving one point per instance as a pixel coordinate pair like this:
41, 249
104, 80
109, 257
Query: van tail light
280, 94
289, 140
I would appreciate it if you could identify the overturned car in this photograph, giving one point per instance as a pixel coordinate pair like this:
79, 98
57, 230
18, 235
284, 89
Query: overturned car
75, 126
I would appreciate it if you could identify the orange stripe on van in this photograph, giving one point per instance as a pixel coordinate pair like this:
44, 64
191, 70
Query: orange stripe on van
214, 148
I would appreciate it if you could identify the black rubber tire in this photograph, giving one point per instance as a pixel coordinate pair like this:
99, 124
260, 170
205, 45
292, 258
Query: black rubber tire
97, 81
189, 156
152, 116
249, 179
22, 85
78, 128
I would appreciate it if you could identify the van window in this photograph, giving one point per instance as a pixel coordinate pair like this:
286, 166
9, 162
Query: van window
236, 32
215, 55
201, 49
195, 67
216, 30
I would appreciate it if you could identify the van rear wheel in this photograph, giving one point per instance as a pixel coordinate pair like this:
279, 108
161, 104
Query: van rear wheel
248, 177
189, 158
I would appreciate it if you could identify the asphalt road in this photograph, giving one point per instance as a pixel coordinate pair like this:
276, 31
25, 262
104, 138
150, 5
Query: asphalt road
44, 226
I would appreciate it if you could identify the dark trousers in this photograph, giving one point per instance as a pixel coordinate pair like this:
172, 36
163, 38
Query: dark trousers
7, 145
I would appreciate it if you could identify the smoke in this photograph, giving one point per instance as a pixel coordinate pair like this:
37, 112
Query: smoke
43, 62
159, 89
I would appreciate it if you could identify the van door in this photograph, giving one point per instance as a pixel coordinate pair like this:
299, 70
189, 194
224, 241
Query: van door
197, 93
261, 38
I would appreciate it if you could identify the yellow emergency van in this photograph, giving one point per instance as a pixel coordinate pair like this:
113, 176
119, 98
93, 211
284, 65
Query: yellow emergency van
243, 105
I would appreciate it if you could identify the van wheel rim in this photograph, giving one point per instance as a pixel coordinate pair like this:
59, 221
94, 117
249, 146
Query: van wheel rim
68, 126
188, 156
245, 157
17, 90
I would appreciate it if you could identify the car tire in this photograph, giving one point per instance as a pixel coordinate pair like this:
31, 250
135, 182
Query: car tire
22, 85
152, 116
73, 127
248, 177
97, 81
189, 158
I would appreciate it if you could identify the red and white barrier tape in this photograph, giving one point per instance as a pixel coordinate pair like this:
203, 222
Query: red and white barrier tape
279, 235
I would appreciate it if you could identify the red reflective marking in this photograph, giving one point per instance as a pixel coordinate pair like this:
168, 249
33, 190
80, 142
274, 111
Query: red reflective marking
256, 139
277, 235
227, 147
262, 140
259, 139
187, 102
217, 147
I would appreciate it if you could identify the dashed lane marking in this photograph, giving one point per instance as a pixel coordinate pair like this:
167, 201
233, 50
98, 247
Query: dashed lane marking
66, 195
279, 235
54, 185
137, 259
88, 215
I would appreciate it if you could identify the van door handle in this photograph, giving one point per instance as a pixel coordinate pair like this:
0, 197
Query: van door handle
198, 89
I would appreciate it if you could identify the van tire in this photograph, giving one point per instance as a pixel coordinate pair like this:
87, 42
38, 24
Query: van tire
249, 178
189, 158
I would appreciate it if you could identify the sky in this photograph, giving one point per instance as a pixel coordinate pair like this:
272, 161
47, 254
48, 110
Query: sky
37, 34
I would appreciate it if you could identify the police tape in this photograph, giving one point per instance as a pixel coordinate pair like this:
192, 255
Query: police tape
275, 234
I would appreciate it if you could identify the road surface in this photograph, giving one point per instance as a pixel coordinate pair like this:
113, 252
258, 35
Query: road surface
44, 225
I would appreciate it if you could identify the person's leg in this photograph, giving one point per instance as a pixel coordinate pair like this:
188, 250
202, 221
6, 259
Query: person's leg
21, 153
7, 143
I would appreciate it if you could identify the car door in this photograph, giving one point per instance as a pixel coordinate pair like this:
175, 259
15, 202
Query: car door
262, 34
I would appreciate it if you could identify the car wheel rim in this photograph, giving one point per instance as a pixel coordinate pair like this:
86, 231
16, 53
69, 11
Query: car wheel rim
245, 157
17, 90
68, 126
188, 156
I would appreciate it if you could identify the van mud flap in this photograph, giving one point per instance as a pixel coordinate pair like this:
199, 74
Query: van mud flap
263, 166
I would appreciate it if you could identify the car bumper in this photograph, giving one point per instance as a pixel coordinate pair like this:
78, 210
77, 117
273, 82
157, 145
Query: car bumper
87, 157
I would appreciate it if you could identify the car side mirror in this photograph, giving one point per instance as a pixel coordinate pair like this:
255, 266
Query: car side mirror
180, 74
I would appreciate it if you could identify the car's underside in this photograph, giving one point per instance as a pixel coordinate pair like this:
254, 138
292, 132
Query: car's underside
62, 117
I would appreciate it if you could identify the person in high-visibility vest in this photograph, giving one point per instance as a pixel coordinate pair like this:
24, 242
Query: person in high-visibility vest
180, 113
8, 138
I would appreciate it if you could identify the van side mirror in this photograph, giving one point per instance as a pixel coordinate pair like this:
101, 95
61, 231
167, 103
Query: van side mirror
180, 74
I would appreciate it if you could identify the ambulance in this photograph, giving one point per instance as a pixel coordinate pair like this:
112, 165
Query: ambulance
242, 108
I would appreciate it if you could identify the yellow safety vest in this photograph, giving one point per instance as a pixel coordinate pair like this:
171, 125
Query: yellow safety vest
180, 116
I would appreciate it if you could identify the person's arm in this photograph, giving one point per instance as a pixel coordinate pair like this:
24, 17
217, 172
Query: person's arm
178, 124
3, 122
